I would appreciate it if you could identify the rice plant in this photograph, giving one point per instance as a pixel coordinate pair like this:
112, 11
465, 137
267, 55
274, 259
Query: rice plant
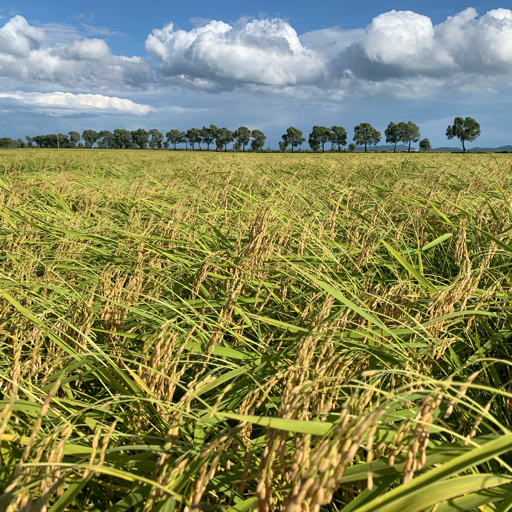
245, 332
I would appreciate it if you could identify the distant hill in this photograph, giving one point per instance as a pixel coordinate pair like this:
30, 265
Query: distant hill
494, 150
442, 149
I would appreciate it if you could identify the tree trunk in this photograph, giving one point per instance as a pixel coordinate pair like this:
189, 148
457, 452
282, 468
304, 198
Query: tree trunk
365, 147
394, 149
463, 147
409, 150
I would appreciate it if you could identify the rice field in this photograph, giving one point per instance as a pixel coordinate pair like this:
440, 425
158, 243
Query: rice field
238, 332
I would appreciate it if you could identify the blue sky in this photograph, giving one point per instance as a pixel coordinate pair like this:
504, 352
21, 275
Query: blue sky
267, 65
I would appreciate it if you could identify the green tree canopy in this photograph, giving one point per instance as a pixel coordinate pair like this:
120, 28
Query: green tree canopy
123, 139
193, 136
74, 138
318, 137
174, 137
224, 137
293, 137
338, 137
106, 140
140, 138
6, 142
209, 134
366, 135
243, 136
392, 133
425, 145
258, 140
352, 147
409, 132
49, 141
157, 139
466, 130
90, 138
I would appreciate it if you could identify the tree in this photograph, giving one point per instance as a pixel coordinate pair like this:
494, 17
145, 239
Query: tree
293, 137
105, 140
338, 137
258, 140
209, 134
193, 137
39, 140
123, 139
166, 144
74, 138
29, 141
6, 142
21, 144
139, 137
351, 147
425, 145
174, 137
63, 141
157, 139
466, 130
184, 139
409, 132
90, 137
393, 134
318, 137
366, 135
243, 136
47, 141
283, 145
224, 137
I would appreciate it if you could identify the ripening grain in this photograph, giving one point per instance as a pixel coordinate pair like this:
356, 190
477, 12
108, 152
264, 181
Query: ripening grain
255, 332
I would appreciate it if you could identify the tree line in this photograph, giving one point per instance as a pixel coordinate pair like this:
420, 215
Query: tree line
466, 130
242, 139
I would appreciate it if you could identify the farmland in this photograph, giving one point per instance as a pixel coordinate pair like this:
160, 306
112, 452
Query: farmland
208, 331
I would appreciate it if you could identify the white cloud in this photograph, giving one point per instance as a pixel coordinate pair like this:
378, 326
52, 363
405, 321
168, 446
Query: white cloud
403, 44
76, 103
330, 41
87, 17
86, 49
75, 62
101, 31
19, 39
249, 52
399, 53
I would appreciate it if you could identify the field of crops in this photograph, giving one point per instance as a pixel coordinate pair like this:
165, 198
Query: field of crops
255, 332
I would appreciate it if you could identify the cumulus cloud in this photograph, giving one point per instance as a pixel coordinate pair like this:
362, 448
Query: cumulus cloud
19, 39
400, 53
76, 103
78, 63
265, 51
328, 42
405, 44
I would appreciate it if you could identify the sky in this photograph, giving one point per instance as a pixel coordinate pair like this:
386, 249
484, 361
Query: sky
265, 65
